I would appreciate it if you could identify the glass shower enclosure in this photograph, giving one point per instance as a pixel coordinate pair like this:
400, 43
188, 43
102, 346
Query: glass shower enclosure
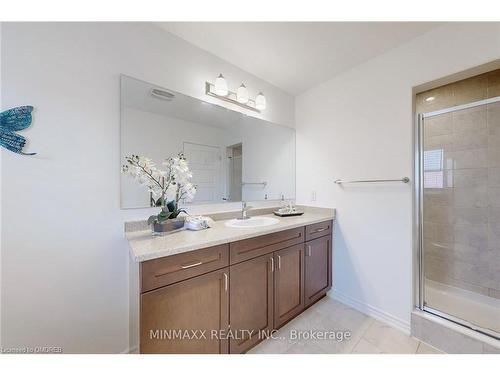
458, 212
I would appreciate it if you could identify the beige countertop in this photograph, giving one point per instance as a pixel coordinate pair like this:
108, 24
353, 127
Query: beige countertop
144, 246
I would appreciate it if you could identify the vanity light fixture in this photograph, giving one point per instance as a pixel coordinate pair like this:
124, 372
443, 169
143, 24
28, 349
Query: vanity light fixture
430, 99
221, 86
260, 101
242, 94
240, 97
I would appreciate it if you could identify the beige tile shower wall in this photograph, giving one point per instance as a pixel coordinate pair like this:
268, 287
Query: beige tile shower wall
462, 217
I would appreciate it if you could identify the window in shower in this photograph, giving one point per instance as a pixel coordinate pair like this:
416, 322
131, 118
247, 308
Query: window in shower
460, 201
433, 169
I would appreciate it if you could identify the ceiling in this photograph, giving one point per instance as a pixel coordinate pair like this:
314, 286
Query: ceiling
296, 56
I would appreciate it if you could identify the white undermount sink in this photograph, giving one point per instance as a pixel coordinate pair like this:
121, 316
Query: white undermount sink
253, 222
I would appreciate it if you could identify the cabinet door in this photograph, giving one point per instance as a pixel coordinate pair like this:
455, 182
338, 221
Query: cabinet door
318, 270
180, 318
251, 303
288, 284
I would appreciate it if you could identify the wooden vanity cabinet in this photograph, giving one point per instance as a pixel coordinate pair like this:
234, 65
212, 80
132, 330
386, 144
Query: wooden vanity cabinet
251, 302
168, 270
318, 266
317, 230
240, 251
196, 306
288, 284
242, 291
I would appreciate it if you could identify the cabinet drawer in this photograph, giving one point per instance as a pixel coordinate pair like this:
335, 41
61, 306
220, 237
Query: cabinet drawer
254, 247
318, 230
171, 269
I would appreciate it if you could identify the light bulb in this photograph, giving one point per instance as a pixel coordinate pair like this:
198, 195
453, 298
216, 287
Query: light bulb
260, 101
221, 86
242, 94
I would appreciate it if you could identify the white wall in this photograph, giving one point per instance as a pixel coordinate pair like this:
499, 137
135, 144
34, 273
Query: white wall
64, 259
359, 125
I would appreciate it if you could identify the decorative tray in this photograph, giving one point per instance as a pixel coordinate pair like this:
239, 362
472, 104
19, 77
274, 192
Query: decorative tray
285, 214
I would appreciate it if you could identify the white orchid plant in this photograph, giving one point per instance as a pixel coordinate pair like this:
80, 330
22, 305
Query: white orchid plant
168, 184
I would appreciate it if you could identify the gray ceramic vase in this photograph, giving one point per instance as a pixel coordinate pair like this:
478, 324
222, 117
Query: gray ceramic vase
168, 226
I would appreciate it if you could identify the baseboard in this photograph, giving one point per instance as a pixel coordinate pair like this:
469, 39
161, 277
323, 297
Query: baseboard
372, 311
132, 350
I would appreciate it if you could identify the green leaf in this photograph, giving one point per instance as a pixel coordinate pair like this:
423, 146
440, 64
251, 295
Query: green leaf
164, 216
152, 219
172, 206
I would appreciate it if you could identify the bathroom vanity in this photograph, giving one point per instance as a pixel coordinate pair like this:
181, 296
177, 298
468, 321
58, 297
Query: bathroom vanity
222, 290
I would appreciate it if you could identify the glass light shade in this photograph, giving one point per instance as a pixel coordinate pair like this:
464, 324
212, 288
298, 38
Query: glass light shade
242, 94
260, 101
221, 86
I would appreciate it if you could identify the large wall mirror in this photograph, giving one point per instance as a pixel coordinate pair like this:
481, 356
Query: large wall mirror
233, 157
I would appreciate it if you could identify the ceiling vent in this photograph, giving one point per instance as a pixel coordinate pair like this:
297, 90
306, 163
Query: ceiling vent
161, 94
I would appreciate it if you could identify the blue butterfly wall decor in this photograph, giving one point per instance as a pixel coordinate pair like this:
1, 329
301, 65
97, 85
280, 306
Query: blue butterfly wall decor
13, 120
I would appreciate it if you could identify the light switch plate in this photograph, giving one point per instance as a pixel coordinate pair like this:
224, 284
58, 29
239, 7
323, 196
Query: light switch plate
313, 196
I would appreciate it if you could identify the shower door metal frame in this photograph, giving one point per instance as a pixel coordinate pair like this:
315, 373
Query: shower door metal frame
418, 209
418, 189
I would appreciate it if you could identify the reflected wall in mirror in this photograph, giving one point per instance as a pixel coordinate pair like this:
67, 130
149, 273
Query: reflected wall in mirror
233, 157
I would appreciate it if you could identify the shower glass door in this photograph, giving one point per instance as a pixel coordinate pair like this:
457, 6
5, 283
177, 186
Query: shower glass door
459, 172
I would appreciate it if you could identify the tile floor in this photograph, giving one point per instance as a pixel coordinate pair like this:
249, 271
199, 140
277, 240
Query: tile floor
368, 336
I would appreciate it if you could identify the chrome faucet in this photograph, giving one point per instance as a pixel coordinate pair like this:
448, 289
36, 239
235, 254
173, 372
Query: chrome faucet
244, 209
